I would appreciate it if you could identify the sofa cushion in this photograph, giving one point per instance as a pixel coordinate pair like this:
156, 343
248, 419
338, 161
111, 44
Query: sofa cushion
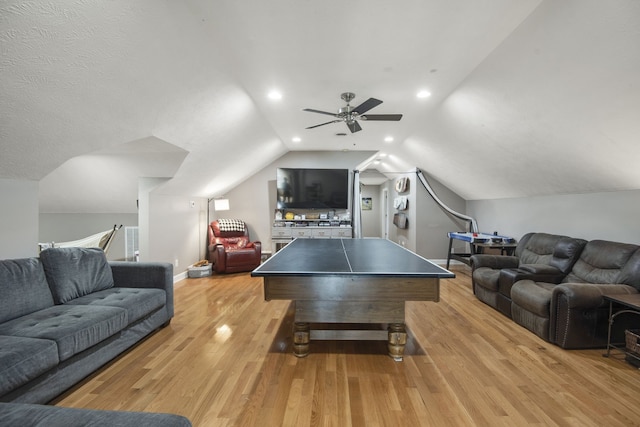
601, 262
487, 278
533, 297
138, 302
73, 327
23, 359
566, 253
76, 272
23, 288
538, 248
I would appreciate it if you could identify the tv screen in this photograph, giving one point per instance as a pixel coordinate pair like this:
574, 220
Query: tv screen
312, 188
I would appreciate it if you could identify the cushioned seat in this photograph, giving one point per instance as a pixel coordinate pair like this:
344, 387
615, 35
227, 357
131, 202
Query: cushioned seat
73, 328
23, 359
230, 249
139, 303
532, 301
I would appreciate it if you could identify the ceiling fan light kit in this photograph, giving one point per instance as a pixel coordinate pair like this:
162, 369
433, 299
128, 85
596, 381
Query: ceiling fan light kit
350, 115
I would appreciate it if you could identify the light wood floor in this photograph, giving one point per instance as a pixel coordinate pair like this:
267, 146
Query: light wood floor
226, 360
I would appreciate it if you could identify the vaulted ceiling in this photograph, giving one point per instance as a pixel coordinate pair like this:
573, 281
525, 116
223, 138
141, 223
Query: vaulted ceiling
528, 98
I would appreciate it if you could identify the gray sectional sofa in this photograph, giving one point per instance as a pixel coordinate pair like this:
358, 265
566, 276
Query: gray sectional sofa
31, 415
69, 312
554, 286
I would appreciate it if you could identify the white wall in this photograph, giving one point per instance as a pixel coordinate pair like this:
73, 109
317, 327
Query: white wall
432, 222
145, 212
18, 219
177, 230
608, 216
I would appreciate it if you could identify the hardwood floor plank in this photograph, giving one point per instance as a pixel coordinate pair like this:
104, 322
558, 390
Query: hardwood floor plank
226, 360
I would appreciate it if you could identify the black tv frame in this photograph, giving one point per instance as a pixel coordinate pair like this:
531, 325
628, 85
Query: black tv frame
313, 188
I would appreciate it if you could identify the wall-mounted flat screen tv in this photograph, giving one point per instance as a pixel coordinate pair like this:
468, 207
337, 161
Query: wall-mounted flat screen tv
312, 188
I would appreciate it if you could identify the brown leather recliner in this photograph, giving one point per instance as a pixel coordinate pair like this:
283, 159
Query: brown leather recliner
230, 249
539, 257
574, 314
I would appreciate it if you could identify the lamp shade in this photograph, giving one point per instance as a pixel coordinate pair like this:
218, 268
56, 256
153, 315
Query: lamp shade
221, 204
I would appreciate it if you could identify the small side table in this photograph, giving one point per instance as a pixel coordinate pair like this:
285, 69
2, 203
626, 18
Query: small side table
632, 304
478, 242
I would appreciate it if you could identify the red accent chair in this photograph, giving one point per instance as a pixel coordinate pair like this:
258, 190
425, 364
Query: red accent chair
230, 250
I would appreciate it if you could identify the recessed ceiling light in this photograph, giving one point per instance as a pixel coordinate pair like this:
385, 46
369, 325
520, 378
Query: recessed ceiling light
423, 94
296, 139
388, 139
275, 95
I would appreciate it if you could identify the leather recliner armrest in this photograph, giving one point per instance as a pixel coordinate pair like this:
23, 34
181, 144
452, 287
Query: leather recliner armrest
219, 260
588, 295
539, 269
541, 273
493, 261
579, 312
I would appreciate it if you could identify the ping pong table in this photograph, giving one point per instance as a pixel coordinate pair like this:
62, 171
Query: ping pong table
350, 282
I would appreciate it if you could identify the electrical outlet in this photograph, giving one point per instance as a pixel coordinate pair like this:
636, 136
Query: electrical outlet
175, 262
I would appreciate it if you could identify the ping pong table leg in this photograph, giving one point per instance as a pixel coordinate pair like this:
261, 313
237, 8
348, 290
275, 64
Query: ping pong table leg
301, 338
397, 341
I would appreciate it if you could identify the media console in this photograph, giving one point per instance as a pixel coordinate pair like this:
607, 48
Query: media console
284, 231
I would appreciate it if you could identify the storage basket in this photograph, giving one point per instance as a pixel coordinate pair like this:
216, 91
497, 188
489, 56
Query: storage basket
632, 340
202, 271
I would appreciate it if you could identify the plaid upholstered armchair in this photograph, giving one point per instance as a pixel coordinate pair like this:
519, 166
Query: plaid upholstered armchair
230, 250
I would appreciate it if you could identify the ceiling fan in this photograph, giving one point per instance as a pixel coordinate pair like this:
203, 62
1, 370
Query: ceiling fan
350, 115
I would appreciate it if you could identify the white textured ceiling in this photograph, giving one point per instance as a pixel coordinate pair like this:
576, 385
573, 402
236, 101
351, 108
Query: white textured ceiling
529, 97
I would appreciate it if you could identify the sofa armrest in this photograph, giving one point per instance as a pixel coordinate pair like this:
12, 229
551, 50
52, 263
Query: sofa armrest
218, 258
145, 275
493, 261
541, 273
540, 269
588, 295
579, 313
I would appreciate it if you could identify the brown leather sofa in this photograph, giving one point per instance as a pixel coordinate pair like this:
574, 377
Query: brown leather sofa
230, 249
576, 310
570, 312
538, 256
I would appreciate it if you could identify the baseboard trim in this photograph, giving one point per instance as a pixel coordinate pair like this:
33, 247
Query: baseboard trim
180, 276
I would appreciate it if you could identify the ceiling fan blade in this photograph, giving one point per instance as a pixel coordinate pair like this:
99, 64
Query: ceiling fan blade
367, 105
322, 124
388, 117
354, 127
321, 112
